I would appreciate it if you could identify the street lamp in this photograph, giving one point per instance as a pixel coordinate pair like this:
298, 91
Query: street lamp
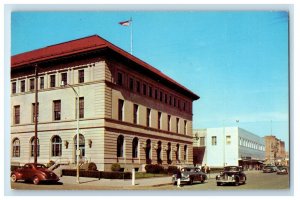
77, 134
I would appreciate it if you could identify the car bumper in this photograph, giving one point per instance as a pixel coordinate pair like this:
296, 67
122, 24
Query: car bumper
225, 180
182, 180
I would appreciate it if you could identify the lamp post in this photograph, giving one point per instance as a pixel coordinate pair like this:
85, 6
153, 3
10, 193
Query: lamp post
77, 125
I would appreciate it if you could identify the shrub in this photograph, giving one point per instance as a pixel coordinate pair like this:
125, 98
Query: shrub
172, 170
92, 166
97, 174
89, 166
116, 175
115, 167
155, 169
148, 161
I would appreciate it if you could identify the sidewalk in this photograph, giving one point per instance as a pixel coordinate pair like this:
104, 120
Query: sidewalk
155, 181
116, 182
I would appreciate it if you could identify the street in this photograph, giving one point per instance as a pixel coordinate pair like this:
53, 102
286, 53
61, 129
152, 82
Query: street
256, 180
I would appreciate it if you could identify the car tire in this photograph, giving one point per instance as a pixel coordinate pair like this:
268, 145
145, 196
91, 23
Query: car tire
13, 178
36, 180
218, 184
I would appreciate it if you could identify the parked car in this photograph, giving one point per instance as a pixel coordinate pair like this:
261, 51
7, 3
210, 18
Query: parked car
282, 170
35, 173
190, 175
269, 169
231, 175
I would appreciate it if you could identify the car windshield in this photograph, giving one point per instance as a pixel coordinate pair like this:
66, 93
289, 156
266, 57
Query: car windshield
41, 166
231, 169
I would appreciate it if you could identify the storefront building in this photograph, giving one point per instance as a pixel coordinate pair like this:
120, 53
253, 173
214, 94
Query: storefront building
229, 146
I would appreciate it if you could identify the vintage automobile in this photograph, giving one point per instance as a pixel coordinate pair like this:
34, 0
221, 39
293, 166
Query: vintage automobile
281, 170
34, 172
231, 175
269, 169
190, 175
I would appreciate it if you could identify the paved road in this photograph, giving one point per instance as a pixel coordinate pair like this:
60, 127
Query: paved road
255, 181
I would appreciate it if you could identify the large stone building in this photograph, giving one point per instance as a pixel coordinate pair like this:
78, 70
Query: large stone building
129, 112
218, 147
275, 151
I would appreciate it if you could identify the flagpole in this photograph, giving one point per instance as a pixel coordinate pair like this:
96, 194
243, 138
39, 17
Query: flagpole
131, 40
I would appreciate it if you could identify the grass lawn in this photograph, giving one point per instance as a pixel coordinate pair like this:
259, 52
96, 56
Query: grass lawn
148, 175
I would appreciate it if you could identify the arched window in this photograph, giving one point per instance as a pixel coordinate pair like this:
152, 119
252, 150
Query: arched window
56, 146
120, 146
177, 152
32, 147
158, 152
135, 143
148, 151
16, 148
169, 157
185, 153
81, 144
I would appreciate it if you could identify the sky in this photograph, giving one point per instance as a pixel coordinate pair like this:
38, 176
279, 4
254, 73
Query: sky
236, 61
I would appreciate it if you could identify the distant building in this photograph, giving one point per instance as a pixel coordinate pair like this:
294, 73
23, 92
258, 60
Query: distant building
217, 147
275, 150
129, 112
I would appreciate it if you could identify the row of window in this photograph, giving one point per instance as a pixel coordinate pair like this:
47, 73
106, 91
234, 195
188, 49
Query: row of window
251, 144
20, 86
56, 148
149, 122
148, 149
146, 89
16, 147
243, 142
56, 110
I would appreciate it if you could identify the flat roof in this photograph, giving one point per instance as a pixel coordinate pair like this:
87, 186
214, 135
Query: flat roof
81, 45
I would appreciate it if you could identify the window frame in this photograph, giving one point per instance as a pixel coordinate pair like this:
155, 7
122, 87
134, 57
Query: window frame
31, 84
22, 86
81, 76
42, 83
214, 140
16, 150
56, 146
14, 87
56, 113
52, 80
17, 114
135, 113
121, 109
81, 107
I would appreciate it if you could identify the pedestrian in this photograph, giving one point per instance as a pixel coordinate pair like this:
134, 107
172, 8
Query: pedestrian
178, 176
205, 168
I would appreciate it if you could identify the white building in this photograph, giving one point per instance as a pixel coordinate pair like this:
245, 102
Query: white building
228, 146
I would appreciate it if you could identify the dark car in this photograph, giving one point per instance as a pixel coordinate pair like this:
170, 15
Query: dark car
190, 175
231, 175
35, 173
282, 170
269, 169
